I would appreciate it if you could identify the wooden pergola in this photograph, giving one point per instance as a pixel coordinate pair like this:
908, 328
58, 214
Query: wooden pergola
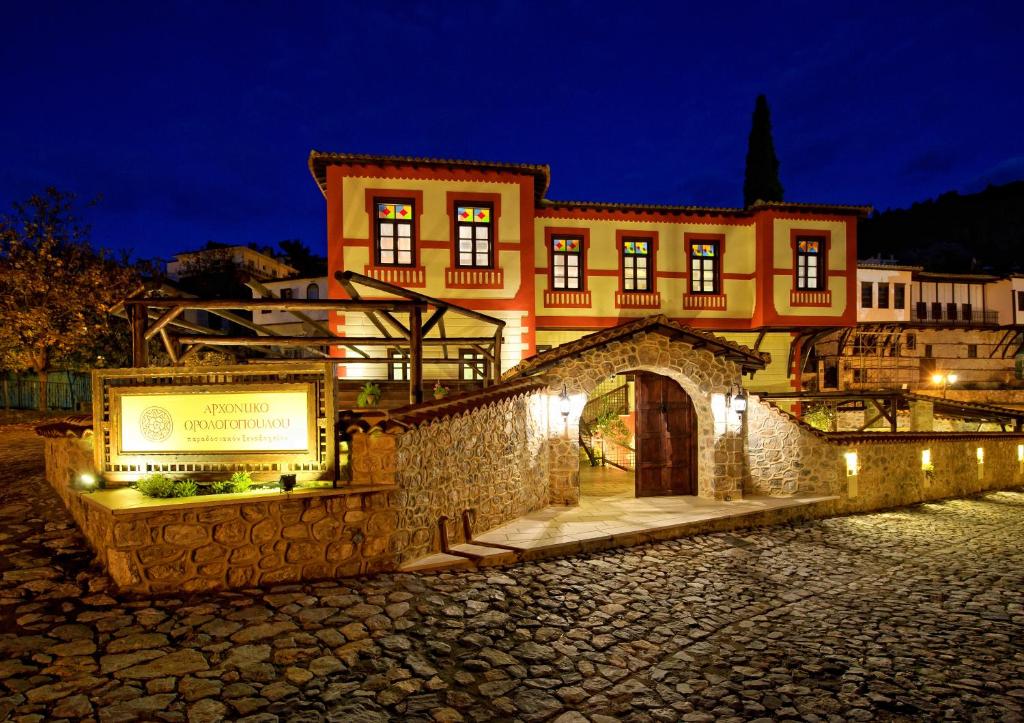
158, 311
885, 404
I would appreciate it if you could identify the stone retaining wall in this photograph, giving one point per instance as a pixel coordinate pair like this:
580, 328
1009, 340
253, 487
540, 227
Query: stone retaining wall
490, 460
785, 457
889, 472
245, 542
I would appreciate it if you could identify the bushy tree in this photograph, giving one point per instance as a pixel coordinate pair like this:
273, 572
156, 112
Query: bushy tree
761, 180
56, 289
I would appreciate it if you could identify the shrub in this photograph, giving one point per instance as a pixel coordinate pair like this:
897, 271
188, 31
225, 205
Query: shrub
240, 481
162, 486
369, 395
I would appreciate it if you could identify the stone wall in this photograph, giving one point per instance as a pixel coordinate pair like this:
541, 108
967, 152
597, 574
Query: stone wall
889, 472
490, 459
226, 541
786, 457
720, 458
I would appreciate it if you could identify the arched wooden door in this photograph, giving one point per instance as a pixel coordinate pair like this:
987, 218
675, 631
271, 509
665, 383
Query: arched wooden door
666, 438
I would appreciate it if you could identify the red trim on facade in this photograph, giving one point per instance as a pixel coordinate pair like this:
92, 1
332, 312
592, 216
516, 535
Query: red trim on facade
563, 323
602, 272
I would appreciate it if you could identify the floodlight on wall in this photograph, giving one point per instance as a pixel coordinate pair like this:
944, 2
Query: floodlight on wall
852, 466
563, 402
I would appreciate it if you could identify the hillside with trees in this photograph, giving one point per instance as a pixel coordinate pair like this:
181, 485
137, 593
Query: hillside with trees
977, 232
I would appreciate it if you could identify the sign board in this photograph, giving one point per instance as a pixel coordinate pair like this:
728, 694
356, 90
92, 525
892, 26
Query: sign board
215, 422
209, 422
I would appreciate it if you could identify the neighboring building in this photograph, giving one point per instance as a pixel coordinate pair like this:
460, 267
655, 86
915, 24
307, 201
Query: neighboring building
285, 322
260, 265
484, 236
913, 324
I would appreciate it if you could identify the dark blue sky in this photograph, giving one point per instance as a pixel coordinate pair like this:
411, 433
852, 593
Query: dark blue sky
194, 120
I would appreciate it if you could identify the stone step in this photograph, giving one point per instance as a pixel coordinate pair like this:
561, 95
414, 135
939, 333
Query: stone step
484, 555
438, 562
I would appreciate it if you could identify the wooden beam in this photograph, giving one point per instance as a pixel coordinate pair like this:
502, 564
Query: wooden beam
374, 341
440, 328
278, 304
166, 318
373, 283
416, 356
190, 352
430, 323
371, 315
496, 365
169, 345
139, 318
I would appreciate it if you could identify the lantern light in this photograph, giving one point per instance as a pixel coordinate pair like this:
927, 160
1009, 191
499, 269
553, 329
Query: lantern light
739, 401
563, 402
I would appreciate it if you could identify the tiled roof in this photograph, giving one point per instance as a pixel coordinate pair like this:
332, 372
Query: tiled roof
320, 160
413, 415
748, 359
704, 210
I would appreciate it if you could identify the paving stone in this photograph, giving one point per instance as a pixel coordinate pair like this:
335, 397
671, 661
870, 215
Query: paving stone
905, 615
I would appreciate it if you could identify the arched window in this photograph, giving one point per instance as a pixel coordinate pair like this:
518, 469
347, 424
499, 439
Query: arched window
313, 291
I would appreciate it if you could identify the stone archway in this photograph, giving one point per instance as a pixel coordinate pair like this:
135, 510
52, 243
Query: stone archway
702, 375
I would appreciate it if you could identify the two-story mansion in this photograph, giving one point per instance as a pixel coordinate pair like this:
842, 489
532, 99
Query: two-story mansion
484, 236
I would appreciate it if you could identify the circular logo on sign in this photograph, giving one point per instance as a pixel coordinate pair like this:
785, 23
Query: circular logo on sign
156, 424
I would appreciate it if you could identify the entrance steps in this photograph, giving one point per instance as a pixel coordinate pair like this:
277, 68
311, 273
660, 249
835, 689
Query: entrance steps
438, 562
484, 555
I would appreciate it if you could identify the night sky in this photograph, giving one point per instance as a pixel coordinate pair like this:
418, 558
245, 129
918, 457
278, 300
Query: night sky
193, 121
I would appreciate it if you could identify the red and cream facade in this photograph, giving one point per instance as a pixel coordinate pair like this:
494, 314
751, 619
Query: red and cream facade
483, 235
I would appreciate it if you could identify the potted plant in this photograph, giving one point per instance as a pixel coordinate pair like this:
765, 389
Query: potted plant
369, 395
440, 390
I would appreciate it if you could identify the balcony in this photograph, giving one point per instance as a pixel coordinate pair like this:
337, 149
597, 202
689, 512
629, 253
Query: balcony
949, 314
637, 299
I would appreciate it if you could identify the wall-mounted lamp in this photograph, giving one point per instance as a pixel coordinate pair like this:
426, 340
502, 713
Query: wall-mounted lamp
563, 402
738, 401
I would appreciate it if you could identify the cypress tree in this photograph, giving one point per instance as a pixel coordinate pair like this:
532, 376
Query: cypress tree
761, 181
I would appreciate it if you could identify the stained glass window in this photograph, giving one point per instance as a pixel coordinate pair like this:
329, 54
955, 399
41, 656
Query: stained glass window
636, 265
474, 236
810, 270
394, 243
567, 263
704, 267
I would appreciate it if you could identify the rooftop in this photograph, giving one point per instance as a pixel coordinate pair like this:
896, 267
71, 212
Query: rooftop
320, 160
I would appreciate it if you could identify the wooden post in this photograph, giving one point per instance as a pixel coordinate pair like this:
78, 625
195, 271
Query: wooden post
416, 356
140, 345
893, 412
496, 364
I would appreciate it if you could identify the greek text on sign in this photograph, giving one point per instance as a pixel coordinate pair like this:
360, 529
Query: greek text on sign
265, 421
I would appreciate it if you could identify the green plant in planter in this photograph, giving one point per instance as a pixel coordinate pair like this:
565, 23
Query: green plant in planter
369, 395
440, 391
161, 486
239, 482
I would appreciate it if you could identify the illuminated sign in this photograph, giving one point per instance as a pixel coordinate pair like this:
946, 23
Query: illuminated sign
277, 419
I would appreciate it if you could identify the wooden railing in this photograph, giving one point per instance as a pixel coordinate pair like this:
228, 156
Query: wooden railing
399, 275
704, 301
809, 297
637, 299
457, 278
575, 299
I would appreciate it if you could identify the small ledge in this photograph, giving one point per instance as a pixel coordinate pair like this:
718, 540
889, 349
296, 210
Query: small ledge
127, 501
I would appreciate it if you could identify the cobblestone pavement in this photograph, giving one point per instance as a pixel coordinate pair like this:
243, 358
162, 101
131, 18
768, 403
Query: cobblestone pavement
905, 615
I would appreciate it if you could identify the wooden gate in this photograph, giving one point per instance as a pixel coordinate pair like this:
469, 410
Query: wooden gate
666, 438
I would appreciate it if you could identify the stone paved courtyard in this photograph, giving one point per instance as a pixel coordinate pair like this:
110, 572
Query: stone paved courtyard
914, 614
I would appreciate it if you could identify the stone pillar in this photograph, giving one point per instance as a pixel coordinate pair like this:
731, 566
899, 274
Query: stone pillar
922, 416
